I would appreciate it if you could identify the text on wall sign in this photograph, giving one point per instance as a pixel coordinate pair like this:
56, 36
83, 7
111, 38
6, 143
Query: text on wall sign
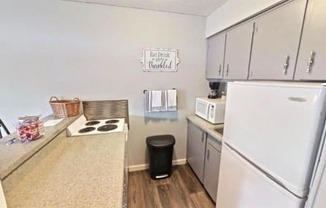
160, 60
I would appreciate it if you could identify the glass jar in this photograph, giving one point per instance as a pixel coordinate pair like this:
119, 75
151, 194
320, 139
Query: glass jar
30, 128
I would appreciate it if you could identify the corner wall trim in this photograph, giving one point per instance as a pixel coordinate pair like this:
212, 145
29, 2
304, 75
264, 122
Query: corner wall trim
133, 168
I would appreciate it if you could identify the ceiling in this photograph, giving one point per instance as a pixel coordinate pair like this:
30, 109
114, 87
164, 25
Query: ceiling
191, 7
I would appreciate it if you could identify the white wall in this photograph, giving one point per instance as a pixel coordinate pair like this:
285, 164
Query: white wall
234, 11
69, 49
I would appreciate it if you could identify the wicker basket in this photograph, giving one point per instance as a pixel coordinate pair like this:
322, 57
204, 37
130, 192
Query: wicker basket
64, 108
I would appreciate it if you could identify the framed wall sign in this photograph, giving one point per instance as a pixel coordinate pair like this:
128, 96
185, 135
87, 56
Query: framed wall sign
160, 60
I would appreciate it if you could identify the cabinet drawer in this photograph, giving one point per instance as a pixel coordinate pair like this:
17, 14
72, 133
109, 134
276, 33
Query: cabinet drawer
215, 143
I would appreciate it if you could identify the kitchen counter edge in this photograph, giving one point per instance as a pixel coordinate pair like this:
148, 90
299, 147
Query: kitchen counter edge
14, 155
206, 126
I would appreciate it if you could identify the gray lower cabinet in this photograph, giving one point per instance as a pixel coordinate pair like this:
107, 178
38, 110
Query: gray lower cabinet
276, 42
215, 57
203, 156
312, 54
196, 144
212, 166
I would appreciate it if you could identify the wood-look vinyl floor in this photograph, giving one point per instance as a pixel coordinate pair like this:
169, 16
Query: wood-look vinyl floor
181, 190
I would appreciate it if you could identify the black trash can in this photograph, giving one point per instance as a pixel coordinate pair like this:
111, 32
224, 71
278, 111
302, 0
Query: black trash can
160, 155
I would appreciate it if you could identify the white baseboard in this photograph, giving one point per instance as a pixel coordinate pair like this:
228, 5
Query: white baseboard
179, 162
133, 168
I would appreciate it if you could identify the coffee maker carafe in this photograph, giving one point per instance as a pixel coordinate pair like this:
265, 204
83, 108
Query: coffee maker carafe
214, 86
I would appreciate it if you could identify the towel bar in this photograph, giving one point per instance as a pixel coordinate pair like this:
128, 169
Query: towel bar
160, 100
144, 91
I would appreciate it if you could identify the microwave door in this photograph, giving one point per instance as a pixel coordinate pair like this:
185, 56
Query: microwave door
202, 109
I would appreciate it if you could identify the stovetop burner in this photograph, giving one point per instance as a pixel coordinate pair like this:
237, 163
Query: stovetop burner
112, 121
86, 130
107, 127
92, 123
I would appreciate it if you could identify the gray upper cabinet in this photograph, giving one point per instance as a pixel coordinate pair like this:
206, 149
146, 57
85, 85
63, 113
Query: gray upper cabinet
312, 54
276, 41
237, 52
215, 57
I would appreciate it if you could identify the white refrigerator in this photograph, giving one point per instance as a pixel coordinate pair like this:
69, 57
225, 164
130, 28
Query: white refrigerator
271, 144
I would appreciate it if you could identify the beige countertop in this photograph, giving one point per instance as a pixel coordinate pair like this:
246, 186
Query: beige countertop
12, 156
83, 171
206, 126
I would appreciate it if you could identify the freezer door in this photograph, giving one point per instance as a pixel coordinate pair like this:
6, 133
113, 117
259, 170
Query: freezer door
241, 185
278, 127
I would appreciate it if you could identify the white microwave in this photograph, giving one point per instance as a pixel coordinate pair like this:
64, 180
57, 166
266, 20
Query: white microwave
212, 110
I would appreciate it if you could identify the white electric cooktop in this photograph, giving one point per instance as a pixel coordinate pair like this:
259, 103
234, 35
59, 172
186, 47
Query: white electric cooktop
82, 126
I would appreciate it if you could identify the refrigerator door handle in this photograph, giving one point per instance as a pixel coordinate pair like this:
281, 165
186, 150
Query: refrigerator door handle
279, 183
274, 179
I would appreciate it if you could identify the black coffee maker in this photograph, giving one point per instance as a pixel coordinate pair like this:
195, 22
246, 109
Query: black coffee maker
214, 86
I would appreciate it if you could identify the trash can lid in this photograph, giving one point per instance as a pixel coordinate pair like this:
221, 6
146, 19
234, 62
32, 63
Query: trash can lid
160, 140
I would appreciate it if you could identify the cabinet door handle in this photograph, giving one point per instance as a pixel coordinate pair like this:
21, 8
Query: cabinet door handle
311, 61
255, 27
208, 155
220, 69
286, 64
227, 70
202, 137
